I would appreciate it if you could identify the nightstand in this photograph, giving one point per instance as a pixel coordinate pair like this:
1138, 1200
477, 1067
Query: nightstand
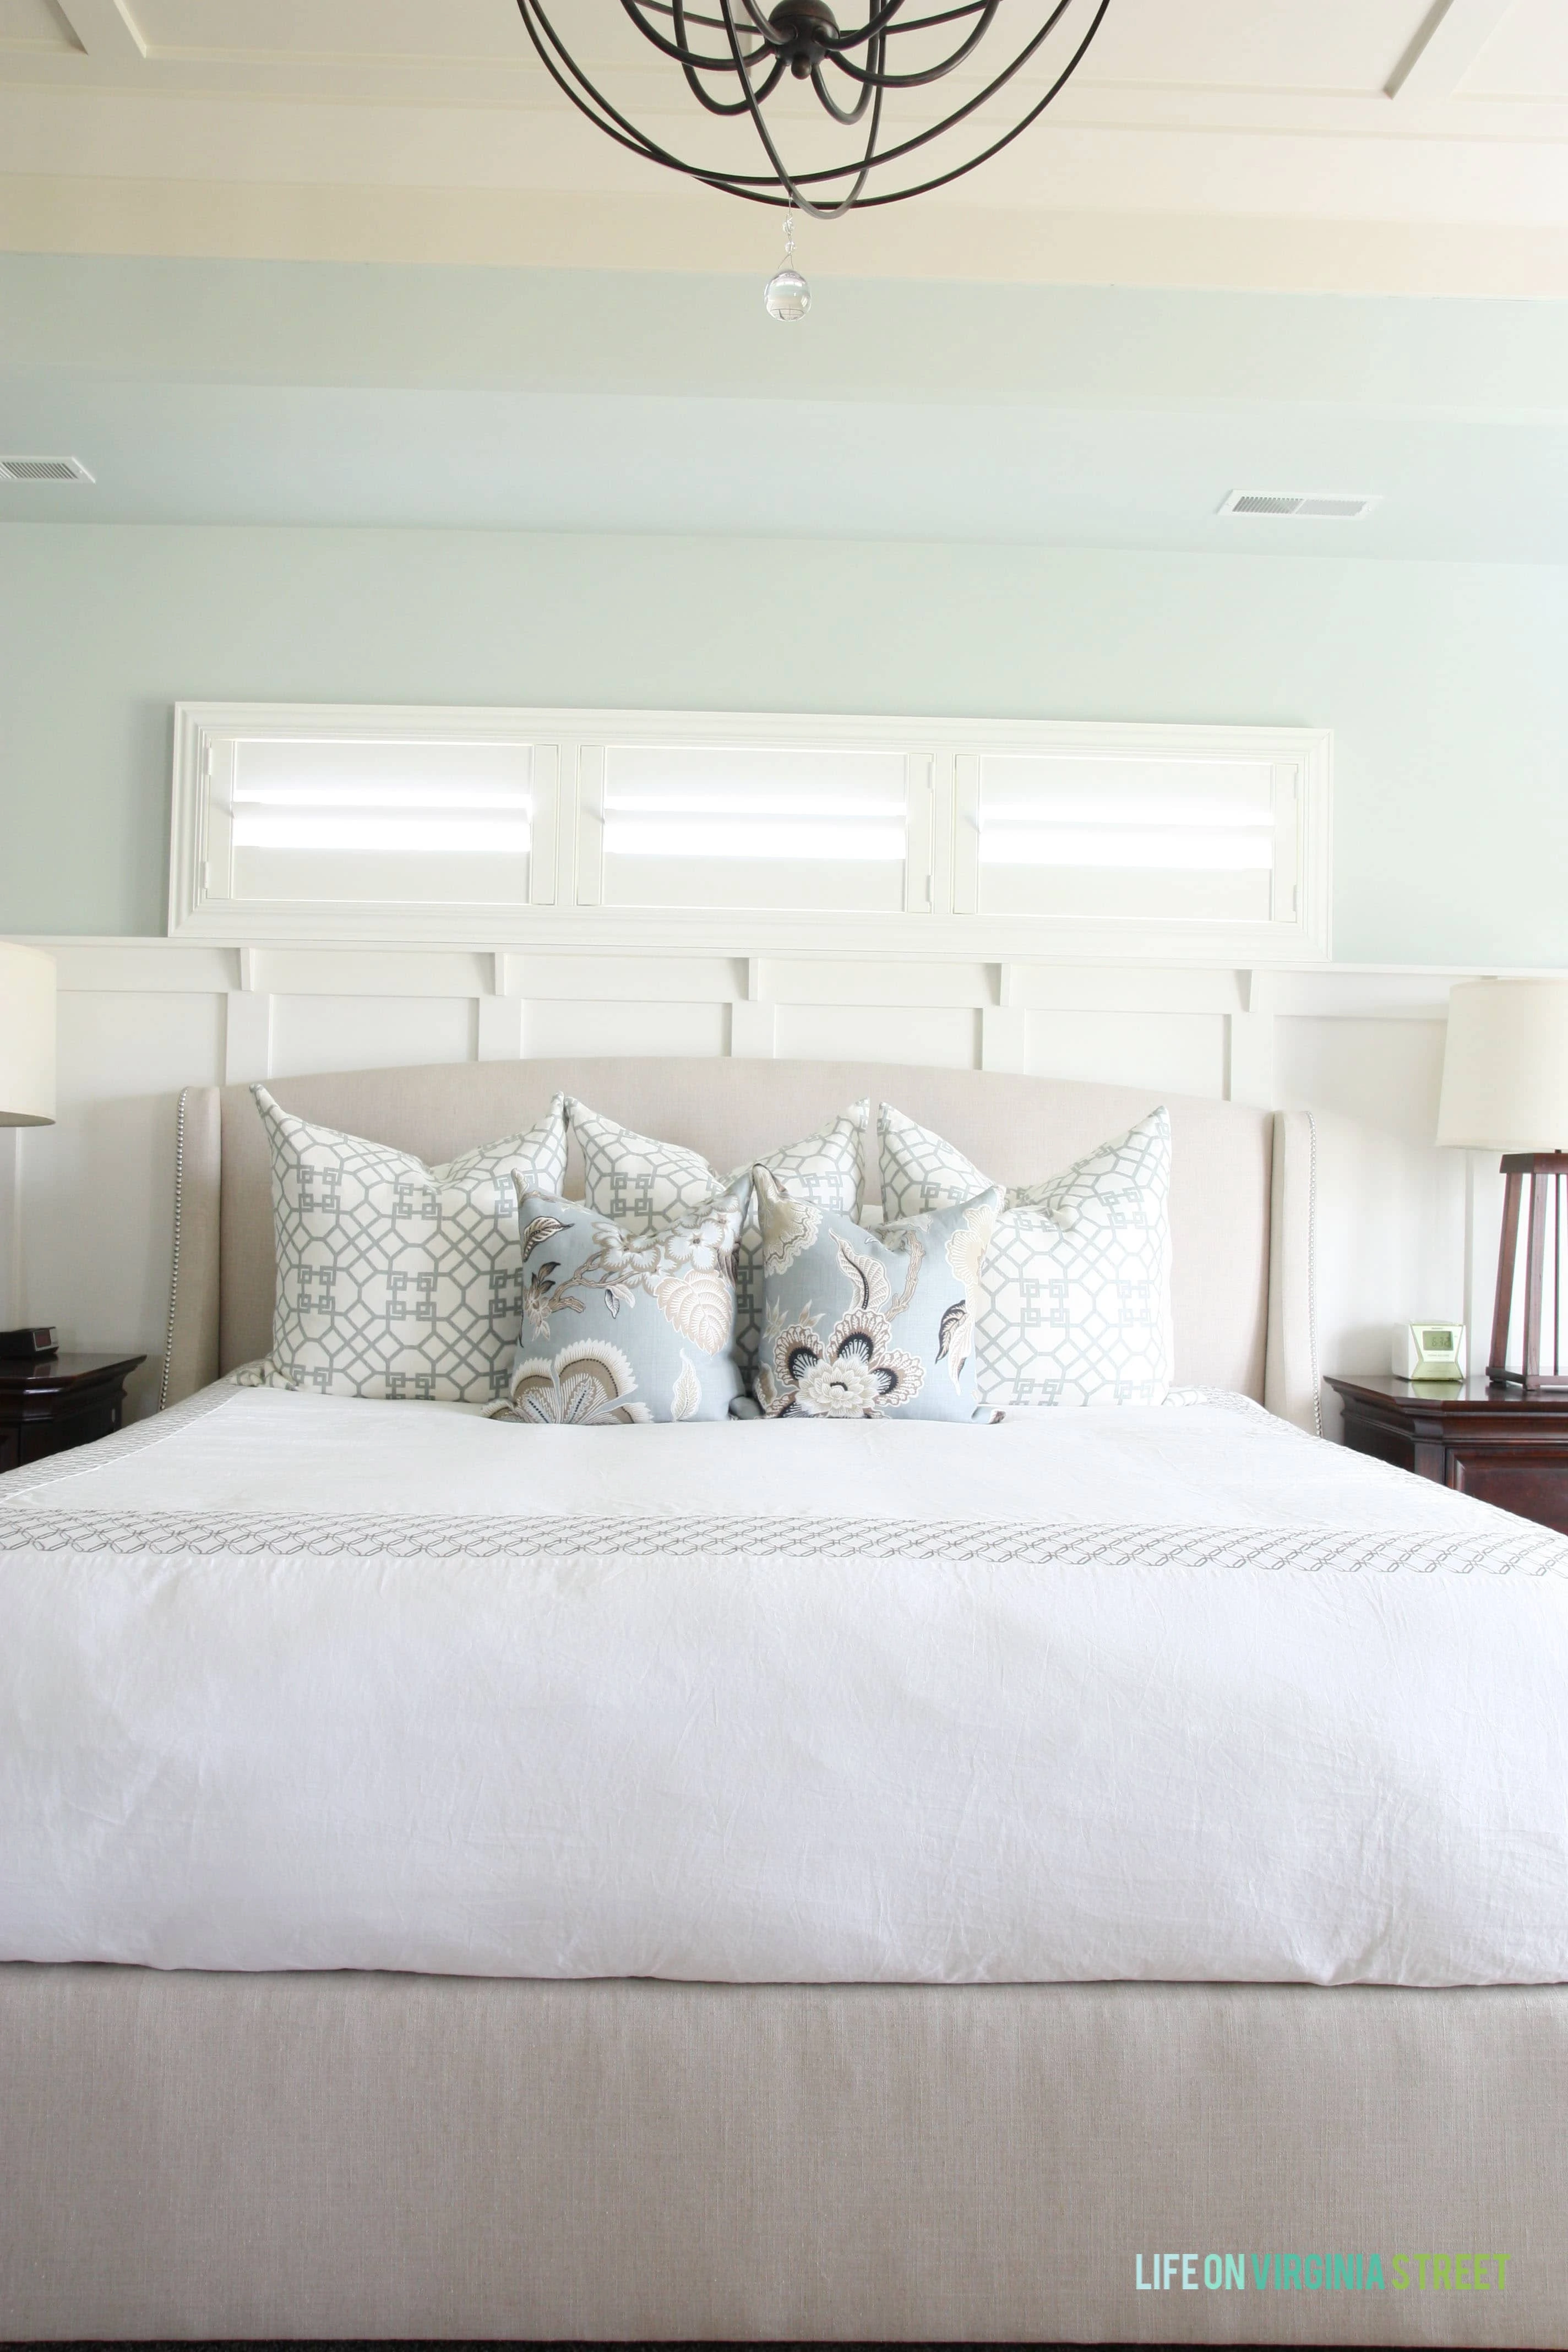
60, 1402
1498, 1444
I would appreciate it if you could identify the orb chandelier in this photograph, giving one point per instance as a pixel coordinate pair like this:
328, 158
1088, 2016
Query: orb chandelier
736, 56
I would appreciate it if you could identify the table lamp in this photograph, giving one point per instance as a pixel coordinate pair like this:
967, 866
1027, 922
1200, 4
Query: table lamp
27, 1085
1505, 1088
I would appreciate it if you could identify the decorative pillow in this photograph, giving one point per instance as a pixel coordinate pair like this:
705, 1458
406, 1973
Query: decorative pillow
396, 1279
626, 1327
1077, 1282
859, 1324
637, 1182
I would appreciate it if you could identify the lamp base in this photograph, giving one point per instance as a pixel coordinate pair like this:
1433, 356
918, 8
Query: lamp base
1544, 1171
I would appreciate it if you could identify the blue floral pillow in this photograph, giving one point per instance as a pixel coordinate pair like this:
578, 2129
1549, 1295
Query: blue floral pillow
859, 1326
626, 1327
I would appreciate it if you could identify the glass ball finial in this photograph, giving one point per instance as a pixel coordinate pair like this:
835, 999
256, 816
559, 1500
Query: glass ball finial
786, 294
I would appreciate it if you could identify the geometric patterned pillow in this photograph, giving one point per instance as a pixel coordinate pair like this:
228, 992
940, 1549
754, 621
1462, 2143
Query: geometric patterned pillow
636, 1183
396, 1279
1077, 1278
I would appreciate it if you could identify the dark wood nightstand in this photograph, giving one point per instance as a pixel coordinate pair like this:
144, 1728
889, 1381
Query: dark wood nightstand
60, 1402
1498, 1444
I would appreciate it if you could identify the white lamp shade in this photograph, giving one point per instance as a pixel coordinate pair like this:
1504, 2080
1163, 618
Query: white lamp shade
1505, 1066
26, 1036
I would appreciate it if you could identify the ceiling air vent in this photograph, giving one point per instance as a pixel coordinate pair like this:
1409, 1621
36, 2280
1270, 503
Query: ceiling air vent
1306, 506
44, 469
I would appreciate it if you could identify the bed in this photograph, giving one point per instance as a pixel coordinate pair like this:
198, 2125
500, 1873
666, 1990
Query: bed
1091, 1879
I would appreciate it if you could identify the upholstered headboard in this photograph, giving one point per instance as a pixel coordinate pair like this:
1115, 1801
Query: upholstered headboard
1241, 1207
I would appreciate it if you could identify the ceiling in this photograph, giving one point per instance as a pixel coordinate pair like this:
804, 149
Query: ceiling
328, 393
1352, 145
356, 261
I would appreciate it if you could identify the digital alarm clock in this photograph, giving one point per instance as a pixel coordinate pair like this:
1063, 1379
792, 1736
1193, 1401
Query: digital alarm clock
1430, 1351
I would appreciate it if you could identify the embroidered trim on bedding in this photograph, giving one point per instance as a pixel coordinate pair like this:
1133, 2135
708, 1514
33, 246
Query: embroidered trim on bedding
1244, 1408
83, 1461
213, 1536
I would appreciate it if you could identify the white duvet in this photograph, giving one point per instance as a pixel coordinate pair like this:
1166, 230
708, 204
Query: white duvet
289, 1682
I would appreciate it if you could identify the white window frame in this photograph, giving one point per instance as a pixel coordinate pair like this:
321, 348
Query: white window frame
938, 915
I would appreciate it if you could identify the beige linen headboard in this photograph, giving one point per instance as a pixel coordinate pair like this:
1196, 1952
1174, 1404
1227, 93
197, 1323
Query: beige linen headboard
1241, 1187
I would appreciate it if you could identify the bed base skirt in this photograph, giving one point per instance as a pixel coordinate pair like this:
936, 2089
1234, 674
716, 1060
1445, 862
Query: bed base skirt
353, 2156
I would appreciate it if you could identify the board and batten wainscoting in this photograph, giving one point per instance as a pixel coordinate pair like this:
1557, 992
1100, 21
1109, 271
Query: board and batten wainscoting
1403, 1229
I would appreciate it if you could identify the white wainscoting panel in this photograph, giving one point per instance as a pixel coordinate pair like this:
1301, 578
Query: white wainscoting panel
1182, 1051
97, 1189
939, 1036
361, 1033
1385, 1072
754, 1031
645, 1025
1404, 1230
1390, 1208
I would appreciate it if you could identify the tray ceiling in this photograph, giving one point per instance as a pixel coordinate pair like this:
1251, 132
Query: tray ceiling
1205, 142
201, 391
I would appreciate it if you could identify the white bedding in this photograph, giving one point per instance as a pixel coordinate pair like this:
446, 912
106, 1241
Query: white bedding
292, 1681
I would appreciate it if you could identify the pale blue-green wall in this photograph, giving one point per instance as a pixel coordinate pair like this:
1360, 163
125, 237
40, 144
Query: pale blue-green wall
1446, 684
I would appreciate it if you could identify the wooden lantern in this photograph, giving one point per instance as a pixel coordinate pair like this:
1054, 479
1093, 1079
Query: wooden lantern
1542, 1172
1505, 1084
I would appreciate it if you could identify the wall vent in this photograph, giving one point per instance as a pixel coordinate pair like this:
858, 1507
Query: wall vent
1306, 506
44, 469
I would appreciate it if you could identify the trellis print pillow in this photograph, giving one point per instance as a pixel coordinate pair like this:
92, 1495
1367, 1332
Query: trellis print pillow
622, 1327
637, 1180
861, 1326
396, 1279
1078, 1281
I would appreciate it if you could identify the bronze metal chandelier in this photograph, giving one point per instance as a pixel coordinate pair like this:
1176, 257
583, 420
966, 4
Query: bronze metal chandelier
734, 55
